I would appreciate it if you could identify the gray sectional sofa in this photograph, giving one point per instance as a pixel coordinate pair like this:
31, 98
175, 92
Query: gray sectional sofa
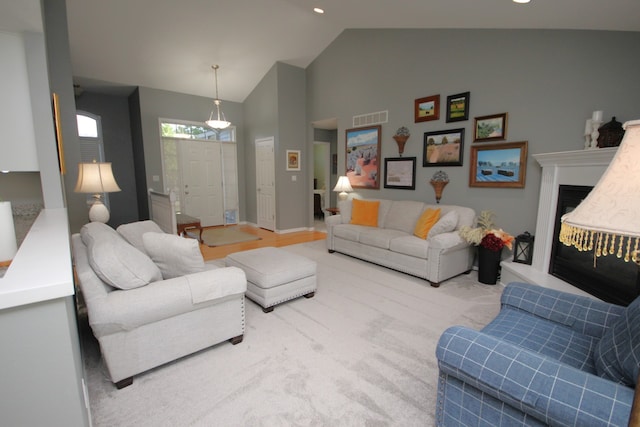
150, 297
442, 255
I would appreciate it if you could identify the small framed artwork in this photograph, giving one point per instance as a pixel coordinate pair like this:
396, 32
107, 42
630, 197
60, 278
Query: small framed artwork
443, 148
490, 128
427, 108
458, 107
400, 172
293, 160
363, 154
498, 165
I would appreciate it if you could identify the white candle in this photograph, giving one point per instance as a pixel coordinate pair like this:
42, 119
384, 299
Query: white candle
587, 128
597, 116
8, 246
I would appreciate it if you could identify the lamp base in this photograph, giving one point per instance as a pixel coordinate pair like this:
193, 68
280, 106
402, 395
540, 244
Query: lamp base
343, 195
98, 212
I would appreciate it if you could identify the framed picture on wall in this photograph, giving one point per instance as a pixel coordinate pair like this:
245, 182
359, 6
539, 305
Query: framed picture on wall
400, 172
427, 108
498, 165
443, 148
458, 107
490, 128
362, 156
293, 160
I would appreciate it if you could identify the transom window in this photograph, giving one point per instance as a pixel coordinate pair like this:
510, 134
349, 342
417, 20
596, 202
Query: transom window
186, 130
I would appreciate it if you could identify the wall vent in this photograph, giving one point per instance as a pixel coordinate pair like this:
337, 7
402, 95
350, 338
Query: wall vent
376, 118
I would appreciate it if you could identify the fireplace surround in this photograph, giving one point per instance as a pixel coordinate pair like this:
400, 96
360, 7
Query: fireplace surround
580, 168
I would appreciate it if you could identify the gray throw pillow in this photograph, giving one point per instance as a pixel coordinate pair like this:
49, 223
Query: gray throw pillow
114, 260
175, 256
617, 355
133, 232
445, 224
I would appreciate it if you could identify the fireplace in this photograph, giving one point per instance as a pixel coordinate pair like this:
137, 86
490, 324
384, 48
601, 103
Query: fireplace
610, 279
573, 168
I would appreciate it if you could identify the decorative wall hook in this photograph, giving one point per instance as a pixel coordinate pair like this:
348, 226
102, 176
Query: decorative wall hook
401, 137
439, 180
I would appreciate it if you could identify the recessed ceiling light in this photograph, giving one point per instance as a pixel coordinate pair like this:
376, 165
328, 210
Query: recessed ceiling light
521, 1
318, 10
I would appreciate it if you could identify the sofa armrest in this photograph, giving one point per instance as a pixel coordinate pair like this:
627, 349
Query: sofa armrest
129, 309
332, 220
447, 241
583, 314
552, 392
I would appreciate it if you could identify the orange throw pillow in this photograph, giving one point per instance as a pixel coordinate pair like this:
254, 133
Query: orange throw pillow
364, 213
427, 220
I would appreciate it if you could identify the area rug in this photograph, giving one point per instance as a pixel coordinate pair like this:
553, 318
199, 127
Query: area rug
225, 236
361, 352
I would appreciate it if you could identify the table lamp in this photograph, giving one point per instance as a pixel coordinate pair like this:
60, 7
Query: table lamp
96, 178
343, 187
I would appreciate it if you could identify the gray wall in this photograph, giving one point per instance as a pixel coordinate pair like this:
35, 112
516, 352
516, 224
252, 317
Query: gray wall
276, 107
293, 213
118, 149
260, 110
549, 82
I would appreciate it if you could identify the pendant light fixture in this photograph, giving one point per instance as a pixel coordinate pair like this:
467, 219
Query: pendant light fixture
217, 120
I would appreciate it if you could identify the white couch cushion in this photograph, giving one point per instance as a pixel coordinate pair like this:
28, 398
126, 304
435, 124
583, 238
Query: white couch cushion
114, 260
403, 215
379, 237
350, 231
410, 245
133, 232
174, 255
445, 224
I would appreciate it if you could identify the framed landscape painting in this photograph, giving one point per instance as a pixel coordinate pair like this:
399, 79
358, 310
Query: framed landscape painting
427, 108
498, 165
490, 128
458, 107
362, 156
443, 148
400, 172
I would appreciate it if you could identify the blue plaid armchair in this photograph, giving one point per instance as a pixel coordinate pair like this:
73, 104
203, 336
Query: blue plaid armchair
548, 358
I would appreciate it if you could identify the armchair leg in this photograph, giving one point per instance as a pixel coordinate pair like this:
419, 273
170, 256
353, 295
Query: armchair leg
435, 285
124, 383
330, 251
236, 340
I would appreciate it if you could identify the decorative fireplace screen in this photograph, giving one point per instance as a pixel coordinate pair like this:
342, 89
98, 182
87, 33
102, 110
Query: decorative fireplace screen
612, 281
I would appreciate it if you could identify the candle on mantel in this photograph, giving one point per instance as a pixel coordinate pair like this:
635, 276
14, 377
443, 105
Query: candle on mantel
597, 116
8, 246
587, 128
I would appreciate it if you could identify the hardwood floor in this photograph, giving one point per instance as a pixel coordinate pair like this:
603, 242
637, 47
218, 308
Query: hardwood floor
267, 238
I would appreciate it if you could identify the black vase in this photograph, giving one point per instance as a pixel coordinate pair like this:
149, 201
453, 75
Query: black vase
488, 265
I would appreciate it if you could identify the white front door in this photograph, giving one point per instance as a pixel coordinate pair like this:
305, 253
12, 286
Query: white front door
202, 181
265, 183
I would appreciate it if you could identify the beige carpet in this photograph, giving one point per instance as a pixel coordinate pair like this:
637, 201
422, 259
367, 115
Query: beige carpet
359, 353
226, 236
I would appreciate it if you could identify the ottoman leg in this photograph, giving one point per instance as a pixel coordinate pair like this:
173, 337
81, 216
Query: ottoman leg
267, 309
309, 295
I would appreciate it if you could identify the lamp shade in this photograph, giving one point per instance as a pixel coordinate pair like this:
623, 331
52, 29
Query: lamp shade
343, 185
608, 220
95, 178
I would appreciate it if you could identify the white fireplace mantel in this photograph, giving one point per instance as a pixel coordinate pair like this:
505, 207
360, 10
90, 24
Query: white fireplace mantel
582, 167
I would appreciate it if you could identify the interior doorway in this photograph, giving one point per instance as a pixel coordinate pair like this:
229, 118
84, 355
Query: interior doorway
324, 163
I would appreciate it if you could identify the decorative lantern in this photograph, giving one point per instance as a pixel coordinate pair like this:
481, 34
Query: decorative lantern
610, 134
523, 249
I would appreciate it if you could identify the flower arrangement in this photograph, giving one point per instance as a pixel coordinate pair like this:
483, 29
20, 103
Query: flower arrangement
486, 234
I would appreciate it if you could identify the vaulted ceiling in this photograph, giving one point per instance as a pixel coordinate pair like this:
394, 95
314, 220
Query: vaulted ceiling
172, 44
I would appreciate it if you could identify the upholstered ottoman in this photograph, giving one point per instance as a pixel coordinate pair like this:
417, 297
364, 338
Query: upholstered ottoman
274, 275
